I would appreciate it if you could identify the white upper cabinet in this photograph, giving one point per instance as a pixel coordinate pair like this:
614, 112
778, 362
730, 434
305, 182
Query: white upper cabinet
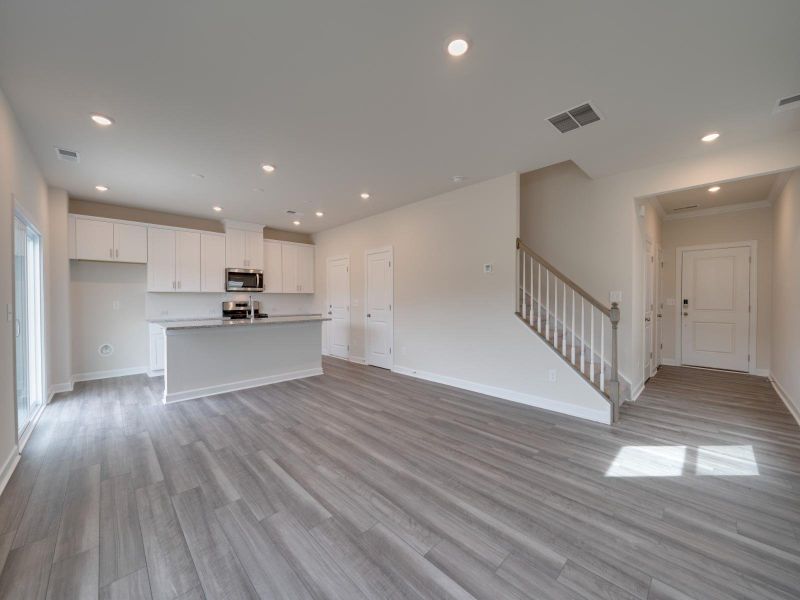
289, 266
212, 260
130, 243
161, 266
244, 249
187, 261
305, 269
97, 239
273, 267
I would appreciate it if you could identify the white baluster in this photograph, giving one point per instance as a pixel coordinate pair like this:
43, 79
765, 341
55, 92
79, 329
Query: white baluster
530, 317
539, 300
591, 344
524, 290
602, 353
547, 306
573, 327
555, 311
564, 322
583, 338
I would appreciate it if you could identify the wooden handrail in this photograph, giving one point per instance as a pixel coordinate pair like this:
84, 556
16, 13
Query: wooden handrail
591, 299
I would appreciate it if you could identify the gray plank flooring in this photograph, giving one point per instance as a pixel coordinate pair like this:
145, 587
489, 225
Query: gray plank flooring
362, 483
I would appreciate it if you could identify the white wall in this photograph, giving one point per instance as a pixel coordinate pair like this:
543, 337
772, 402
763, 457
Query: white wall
59, 357
452, 321
716, 229
786, 293
587, 227
20, 178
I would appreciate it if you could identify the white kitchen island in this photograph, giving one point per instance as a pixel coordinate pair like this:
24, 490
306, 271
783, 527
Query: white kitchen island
207, 357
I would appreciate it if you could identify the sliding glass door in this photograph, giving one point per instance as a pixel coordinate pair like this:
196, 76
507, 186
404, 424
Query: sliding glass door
28, 330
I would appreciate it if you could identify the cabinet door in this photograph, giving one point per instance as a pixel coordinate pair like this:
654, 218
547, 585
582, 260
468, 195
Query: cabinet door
156, 348
130, 243
305, 269
161, 261
235, 241
212, 259
273, 267
254, 249
289, 266
187, 263
94, 240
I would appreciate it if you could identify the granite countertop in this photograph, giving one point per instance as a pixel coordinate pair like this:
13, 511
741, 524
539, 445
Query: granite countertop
174, 324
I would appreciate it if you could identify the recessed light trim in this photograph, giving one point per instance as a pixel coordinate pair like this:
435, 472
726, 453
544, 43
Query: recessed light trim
101, 188
457, 47
295, 223
319, 213
714, 189
365, 196
710, 137
217, 208
102, 120
268, 168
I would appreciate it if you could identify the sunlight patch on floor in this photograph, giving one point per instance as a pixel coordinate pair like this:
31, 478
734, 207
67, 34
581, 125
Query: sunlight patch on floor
679, 461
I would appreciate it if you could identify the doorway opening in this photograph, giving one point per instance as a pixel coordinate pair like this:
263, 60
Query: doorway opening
28, 326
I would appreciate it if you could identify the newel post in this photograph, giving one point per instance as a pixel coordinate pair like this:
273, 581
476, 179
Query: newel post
614, 383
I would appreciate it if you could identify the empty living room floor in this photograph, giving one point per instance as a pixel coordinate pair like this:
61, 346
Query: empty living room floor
364, 484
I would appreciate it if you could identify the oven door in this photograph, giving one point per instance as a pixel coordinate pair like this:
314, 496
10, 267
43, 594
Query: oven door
244, 280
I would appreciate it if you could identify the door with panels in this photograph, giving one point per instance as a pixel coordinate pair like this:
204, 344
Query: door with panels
338, 286
715, 308
379, 324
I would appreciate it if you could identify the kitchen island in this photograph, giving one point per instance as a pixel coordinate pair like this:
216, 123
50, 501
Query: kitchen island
212, 356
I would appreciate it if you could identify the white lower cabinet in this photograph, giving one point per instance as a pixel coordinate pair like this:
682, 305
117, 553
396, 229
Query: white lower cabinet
156, 365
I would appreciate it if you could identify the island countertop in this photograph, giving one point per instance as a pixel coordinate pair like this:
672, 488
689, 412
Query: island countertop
177, 324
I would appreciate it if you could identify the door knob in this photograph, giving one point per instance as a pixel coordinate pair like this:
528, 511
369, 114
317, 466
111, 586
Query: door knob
685, 314
647, 319
330, 313
369, 316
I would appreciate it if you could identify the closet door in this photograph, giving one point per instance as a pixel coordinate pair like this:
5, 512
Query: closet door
187, 271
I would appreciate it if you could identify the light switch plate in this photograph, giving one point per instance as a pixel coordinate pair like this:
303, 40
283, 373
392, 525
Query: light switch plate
552, 375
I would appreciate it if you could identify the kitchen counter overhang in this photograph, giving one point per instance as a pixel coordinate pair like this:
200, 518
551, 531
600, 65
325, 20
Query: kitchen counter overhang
212, 356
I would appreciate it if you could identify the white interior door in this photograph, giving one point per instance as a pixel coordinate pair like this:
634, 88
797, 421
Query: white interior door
715, 308
659, 341
380, 298
338, 286
649, 309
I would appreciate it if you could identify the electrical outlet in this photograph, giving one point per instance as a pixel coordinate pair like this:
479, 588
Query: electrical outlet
552, 376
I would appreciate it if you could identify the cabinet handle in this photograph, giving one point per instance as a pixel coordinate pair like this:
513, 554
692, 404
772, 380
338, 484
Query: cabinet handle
173, 285
117, 252
179, 285
110, 253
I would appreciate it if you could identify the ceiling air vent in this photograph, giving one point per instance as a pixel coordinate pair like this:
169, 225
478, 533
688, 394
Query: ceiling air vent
788, 103
684, 208
577, 117
68, 155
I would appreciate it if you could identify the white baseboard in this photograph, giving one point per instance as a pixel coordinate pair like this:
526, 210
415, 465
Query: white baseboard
58, 388
599, 416
353, 359
93, 375
157, 373
670, 362
790, 404
761, 372
238, 385
636, 391
8, 467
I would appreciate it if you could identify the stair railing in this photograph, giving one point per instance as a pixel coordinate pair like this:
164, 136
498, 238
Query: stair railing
570, 320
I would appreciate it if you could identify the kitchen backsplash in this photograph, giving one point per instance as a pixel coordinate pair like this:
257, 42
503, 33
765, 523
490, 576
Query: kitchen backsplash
186, 305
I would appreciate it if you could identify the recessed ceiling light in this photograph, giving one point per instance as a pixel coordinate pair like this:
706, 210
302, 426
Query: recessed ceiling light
458, 47
268, 168
319, 213
101, 188
217, 209
101, 120
364, 196
296, 223
710, 137
714, 189
458, 178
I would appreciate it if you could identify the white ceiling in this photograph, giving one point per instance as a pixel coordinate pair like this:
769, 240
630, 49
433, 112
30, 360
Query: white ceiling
742, 191
358, 95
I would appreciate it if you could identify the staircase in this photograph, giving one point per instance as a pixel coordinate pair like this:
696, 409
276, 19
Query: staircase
578, 327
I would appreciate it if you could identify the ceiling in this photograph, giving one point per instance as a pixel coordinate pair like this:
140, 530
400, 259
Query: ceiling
742, 191
359, 95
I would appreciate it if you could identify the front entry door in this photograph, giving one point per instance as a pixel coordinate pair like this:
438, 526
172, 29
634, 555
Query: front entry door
715, 308
379, 321
338, 278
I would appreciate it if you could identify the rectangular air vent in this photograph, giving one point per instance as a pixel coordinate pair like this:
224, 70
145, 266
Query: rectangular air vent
788, 103
684, 208
68, 155
574, 118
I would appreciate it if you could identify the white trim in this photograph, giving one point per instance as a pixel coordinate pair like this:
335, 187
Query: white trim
760, 372
390, 250
93, 375
328, 261
637, 392
598, 416
670, 362
718, 210
231, 224
753, 329
238, 385
359, 360
156, 373
8, 467
142, 224
59, 388
26, 435
783, 395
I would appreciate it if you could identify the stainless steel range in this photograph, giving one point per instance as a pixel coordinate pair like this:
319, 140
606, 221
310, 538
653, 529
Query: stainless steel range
241, 309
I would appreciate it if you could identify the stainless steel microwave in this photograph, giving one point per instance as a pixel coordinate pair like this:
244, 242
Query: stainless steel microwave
244, 280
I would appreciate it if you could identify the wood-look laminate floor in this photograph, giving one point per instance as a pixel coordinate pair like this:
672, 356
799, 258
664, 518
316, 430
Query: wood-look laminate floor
363, 484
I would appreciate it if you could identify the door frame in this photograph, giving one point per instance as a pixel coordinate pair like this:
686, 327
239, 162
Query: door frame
753, 329
647, 374
328, 261
390, 250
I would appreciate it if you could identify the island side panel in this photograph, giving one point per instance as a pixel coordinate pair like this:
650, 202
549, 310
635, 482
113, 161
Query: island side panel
213, 360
